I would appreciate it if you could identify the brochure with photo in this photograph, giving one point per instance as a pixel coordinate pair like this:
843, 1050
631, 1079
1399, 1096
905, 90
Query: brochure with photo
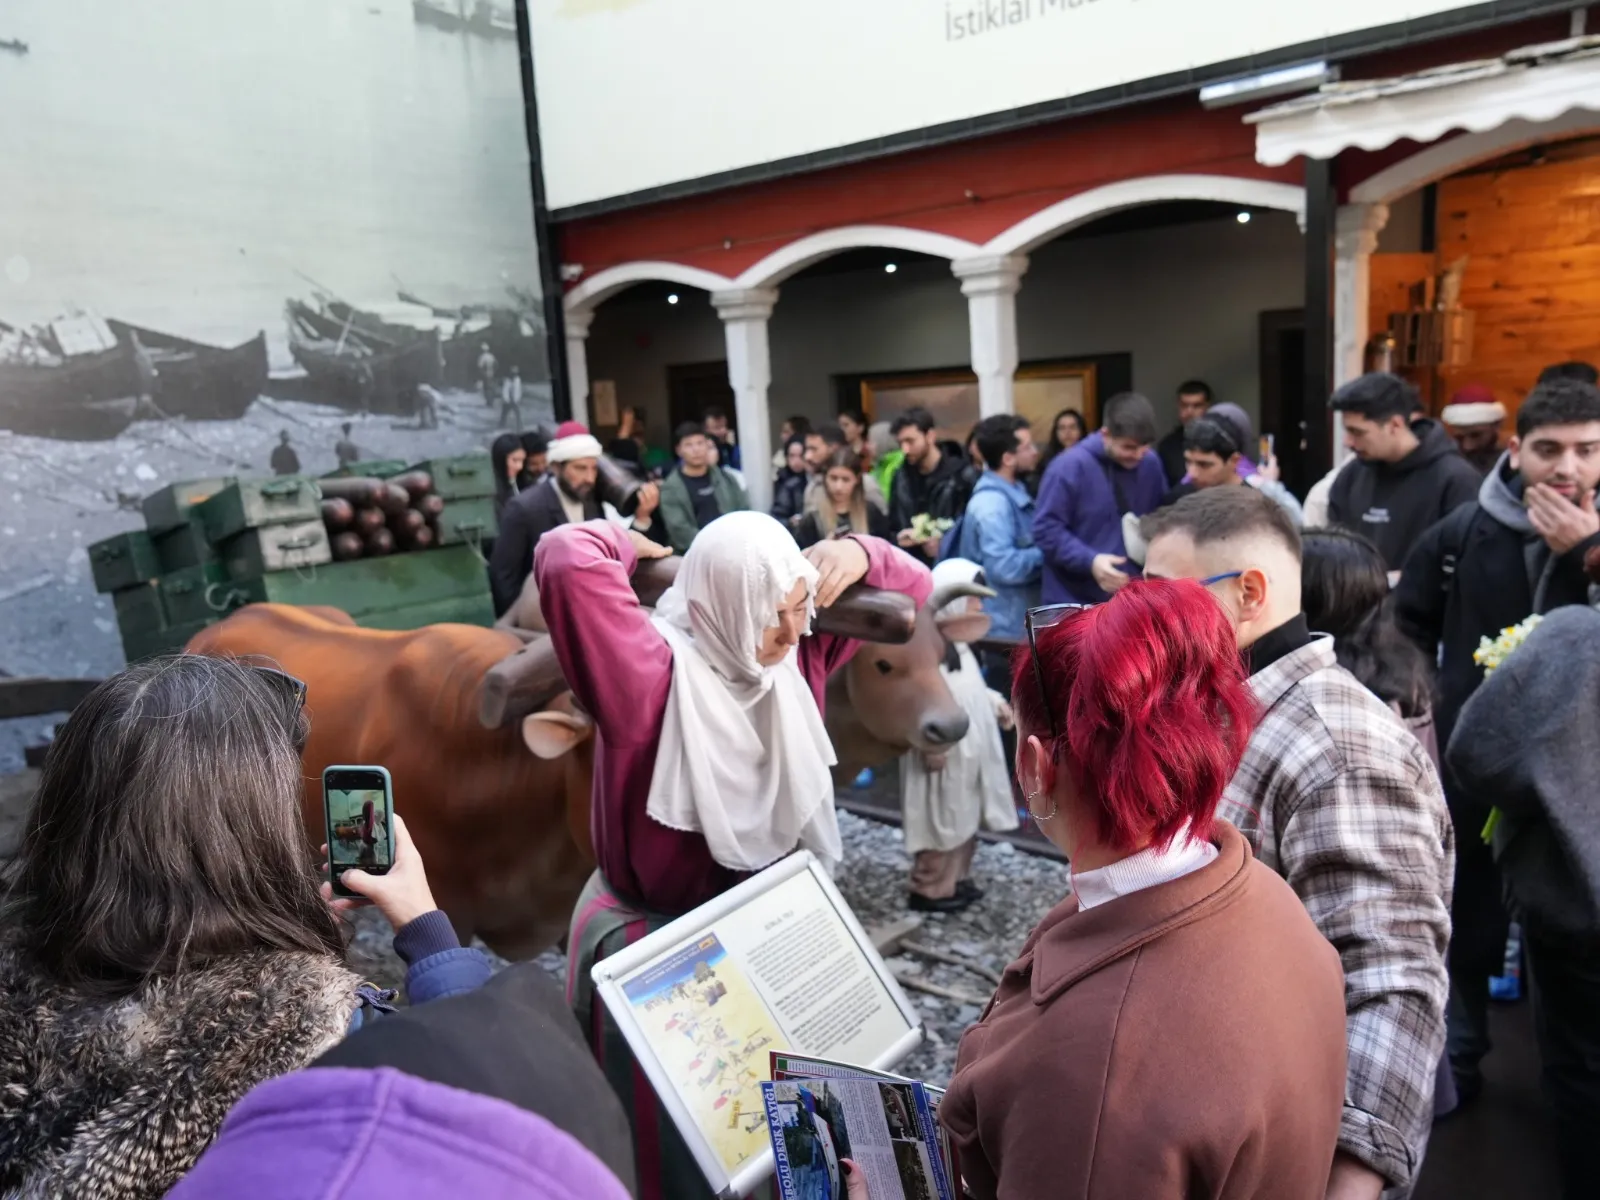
885, 1126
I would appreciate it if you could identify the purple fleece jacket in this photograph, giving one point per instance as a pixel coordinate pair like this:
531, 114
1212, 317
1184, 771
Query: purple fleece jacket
1076, 517
334, 1133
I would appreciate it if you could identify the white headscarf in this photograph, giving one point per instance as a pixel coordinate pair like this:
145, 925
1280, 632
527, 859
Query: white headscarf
744, 755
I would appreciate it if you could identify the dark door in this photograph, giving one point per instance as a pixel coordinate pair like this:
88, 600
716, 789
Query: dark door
1283, 360
694, 387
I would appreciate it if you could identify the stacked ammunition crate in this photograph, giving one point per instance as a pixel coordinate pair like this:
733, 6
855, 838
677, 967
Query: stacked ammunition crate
211, 546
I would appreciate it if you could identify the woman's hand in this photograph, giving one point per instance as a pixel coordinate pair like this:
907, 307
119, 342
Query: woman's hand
402, 895
839, 564
645, 548
855, 1180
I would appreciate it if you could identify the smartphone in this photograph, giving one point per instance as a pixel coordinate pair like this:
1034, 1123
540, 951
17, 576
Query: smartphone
358, 814
1268, 447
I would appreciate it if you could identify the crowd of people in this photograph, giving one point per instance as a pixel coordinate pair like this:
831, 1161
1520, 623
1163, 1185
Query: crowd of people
1297, 815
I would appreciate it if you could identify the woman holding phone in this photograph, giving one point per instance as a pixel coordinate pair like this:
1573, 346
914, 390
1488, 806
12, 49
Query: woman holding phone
156, 963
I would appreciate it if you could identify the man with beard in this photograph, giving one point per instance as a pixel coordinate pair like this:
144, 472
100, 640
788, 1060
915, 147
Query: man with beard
566, 495
1473, 418
1517, 550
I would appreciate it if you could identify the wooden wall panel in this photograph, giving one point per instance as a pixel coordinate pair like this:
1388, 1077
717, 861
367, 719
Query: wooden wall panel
1531, 234
1393, 276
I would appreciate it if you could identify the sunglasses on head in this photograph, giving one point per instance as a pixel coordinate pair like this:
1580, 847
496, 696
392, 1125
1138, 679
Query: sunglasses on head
292, 689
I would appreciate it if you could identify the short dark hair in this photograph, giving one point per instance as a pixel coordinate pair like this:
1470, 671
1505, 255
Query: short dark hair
799, 423
1581, 371
829, 432
856, 415
535, 443
713, 412
1129, 415
688, 429
1377, 396
1213, 434
1222, 513
919, 416
996, 437
1196, 387
1559, 401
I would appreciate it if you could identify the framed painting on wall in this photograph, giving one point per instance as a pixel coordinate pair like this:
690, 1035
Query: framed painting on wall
1040, 390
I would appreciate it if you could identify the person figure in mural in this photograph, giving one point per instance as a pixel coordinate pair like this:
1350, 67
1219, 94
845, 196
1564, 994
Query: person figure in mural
698, 492
1194, 398
344, 449
427, 404
511, 399
712, 760
488, 371
145, 367
284, 460
1474, 417
364, 386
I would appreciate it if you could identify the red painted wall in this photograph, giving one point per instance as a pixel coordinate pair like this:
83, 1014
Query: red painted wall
1010, 176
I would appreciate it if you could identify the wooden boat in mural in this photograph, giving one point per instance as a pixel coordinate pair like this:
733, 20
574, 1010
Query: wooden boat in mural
71, 379
349, 368
196, 381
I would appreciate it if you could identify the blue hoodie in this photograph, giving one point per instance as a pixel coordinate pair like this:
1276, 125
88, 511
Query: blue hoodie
997, 534
1076, 516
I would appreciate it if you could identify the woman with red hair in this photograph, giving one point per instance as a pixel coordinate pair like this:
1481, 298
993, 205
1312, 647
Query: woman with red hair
1176, 1026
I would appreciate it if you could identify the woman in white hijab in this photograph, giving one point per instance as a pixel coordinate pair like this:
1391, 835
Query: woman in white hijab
711, 759
948, 797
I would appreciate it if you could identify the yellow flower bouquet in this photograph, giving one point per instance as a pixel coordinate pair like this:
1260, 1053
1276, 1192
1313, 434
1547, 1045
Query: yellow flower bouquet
1491, 652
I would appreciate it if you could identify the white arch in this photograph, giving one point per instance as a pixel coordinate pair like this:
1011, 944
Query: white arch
1442, 159
796, 256
602, 285
1032, 232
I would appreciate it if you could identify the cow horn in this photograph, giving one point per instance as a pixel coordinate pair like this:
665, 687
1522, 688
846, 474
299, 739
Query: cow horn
954, 591
520, 684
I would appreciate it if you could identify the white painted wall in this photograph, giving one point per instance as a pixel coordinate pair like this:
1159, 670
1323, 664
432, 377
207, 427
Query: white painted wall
1183, 301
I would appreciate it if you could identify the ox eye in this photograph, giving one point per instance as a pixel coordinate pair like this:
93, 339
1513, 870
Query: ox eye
883, 666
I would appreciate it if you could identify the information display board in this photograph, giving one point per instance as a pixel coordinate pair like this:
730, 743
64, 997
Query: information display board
777, 963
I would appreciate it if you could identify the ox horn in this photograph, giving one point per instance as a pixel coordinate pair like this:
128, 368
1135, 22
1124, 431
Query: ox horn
954, 591
520, 684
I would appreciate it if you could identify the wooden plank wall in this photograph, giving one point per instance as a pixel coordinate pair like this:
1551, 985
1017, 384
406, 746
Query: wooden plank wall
1530, 229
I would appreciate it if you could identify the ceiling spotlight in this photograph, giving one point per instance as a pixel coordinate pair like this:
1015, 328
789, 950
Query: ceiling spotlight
889, 268
673, 298
1243, 218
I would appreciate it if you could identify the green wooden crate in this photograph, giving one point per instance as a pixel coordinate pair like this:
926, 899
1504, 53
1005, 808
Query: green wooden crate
370, 585
193, 594
123, 561
467, 522
166, 641
169, 508
254, 503
464, 477
139, 609
184, 546
372, 468
476, 610
295, 546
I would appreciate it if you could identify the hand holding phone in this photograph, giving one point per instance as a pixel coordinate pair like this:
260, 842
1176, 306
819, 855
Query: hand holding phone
401, 894
357, 807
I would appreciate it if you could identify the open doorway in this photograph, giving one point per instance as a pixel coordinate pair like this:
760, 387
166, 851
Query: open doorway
1283, 380
694, 387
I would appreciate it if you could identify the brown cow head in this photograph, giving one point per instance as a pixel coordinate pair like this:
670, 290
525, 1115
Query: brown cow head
890, 699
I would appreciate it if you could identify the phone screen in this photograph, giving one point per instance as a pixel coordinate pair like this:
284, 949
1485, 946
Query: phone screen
358, 801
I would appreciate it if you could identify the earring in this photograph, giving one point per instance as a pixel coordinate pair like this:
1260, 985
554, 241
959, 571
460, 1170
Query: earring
1032, 796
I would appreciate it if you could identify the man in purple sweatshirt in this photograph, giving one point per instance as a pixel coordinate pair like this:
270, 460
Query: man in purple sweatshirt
1077, 520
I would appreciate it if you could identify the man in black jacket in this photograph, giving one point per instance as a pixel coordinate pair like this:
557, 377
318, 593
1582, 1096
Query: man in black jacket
1518, 550
1194, 401
925, 483
1409, 474
567, 494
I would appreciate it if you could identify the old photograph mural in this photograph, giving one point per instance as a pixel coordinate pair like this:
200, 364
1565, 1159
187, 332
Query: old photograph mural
228, 230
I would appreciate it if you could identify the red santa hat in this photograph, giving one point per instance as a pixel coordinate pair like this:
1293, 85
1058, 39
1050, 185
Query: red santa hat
1472, 406
572, 441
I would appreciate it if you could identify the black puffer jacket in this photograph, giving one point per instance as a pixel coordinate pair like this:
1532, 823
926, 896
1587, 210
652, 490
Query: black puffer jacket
1393, 504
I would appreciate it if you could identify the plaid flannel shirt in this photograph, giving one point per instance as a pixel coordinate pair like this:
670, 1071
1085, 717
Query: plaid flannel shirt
1337, 797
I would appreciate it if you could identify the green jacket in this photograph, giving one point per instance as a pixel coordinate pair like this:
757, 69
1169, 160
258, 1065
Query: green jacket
883, 470
677, 509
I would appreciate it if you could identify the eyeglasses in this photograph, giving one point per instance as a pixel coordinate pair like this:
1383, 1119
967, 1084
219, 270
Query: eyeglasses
292, 689
1210, 579
1047, 617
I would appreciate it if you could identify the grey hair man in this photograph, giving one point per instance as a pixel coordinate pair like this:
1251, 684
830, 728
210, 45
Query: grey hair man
1337, 797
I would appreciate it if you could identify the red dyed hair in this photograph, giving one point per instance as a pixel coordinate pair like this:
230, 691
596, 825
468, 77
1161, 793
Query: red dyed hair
1152, 706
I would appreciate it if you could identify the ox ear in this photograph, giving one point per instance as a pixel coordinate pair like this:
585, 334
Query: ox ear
965, 627
552, 734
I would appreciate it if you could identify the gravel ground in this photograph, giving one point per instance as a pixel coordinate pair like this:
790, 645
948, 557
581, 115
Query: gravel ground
1020, 888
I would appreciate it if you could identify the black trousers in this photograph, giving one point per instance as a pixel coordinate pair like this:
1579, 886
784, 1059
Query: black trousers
1479, 925
1566, 1016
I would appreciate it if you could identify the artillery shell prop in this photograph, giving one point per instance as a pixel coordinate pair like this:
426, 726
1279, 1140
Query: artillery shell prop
360, 490
348, 545
430, 506
405, 524
416, 483
422, 538
338, 514
380, 542
368, 521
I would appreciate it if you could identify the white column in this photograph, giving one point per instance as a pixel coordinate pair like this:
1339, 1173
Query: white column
577, 324
990, 285
1356, 229
744, 316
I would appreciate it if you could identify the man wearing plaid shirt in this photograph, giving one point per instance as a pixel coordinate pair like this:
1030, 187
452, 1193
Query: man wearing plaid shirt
1336, 796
